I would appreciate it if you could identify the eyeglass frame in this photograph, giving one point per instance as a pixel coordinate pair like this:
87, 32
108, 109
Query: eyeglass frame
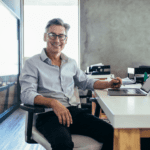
56, 36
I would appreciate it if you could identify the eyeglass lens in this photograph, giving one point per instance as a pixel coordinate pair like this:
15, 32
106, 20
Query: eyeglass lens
54, 36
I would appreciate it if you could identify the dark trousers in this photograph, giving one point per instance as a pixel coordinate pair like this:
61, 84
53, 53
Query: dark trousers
145, 143
59, 136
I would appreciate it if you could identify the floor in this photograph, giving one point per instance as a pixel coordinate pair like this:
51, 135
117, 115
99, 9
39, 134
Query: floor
12, 133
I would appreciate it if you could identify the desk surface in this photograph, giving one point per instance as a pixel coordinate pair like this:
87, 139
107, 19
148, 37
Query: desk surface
125, 111
101, 76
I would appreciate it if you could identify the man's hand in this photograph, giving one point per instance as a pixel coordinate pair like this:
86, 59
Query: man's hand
62, 113
60, 110
115, 83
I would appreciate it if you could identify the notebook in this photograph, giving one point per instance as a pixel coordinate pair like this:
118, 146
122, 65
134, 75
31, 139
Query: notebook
143, 91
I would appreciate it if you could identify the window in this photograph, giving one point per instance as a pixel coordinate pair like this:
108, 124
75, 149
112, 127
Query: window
35, 20
9, 43
9, 64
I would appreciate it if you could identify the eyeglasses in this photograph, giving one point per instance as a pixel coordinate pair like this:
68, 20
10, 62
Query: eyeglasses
53, 36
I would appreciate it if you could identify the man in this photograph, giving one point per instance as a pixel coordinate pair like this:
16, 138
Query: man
49, 79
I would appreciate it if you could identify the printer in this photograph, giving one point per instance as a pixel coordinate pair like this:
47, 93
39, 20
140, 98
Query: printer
98, 69
139, 74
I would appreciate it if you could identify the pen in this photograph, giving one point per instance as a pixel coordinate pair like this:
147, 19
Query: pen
117, 83
115, 79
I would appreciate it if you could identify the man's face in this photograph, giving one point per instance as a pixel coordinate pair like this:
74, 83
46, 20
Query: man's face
55, 44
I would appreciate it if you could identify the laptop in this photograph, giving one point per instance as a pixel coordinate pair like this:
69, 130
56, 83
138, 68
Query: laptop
143, 91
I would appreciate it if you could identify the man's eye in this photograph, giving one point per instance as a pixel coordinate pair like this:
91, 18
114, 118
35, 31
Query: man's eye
52, 35
61, 36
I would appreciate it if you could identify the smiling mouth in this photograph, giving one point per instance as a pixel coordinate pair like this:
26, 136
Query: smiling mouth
55, 44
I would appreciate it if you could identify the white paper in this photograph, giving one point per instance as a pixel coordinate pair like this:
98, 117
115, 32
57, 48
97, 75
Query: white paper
99, 64
126, 81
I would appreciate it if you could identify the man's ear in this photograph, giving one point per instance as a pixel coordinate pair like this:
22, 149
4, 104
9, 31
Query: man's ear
45, 37
66, 40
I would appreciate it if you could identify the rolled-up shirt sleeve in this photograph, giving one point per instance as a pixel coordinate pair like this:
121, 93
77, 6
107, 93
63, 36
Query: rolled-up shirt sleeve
29, 82
82, 81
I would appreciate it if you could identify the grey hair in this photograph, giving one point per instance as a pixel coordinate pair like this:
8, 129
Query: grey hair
57, 21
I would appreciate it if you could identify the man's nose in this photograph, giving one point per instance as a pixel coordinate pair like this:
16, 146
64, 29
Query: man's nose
57, 39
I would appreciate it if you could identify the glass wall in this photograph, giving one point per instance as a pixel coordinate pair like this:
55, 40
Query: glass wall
9, 69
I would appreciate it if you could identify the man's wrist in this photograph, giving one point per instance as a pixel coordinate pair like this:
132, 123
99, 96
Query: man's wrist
108, 84
52, 103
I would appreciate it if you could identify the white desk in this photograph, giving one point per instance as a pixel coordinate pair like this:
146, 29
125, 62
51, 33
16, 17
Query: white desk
130, 117
102, 77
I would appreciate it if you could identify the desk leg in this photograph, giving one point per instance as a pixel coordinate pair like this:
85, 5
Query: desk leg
126, 139
93, 108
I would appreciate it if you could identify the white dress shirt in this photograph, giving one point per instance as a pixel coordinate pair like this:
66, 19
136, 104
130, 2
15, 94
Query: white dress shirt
40, 77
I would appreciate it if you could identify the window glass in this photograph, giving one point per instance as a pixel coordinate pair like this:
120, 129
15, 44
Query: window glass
35, 21
8, 44
8, 62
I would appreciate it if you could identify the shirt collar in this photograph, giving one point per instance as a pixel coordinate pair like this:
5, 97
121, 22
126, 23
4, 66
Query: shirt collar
44, 56
64, 57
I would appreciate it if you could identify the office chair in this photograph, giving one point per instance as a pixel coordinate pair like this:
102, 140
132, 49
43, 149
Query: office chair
85, 99
32, 135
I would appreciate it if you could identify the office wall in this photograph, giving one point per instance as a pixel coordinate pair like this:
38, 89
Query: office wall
116, 33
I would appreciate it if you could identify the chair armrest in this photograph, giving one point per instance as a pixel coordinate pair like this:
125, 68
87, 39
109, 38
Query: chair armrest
33, 109
29, 119
89, 94
97, 110
93, 99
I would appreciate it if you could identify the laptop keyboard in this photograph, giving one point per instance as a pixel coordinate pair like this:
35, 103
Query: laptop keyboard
132, 91
126, 92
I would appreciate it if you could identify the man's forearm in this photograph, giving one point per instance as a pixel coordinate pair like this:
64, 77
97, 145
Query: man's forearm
60, 110
101, 84
40, 100
114, 83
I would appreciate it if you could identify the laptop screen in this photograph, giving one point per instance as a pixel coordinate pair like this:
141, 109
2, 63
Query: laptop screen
146, 86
